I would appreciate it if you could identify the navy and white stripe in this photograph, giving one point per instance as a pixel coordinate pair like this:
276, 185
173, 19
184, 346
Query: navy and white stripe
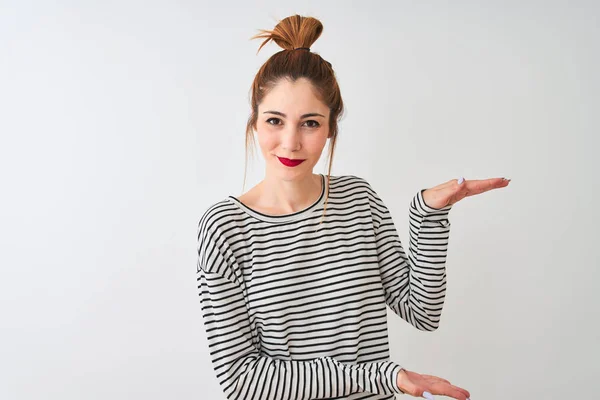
297, 310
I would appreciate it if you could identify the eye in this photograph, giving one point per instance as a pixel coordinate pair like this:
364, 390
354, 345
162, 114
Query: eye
316, 124
277, 120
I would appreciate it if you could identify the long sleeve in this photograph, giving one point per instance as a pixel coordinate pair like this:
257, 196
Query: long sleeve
242, 371
415, 285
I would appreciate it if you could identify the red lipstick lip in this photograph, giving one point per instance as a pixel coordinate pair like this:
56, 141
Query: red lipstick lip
290, 163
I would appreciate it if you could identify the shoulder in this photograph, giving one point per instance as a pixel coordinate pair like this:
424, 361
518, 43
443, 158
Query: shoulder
347, 183
215, 214
212, 245
354, 185
214, 222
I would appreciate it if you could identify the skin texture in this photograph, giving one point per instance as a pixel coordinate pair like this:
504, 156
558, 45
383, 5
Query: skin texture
451, 192
292, 123
420, 385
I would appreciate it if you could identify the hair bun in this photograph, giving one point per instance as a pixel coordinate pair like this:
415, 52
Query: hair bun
292, 32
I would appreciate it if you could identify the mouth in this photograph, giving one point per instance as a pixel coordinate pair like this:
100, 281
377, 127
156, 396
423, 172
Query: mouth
290, 163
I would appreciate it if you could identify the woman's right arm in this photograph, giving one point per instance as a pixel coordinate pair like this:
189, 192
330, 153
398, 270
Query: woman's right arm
244, 373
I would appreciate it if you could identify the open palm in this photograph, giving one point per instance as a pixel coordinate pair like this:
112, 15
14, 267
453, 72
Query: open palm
426, 386
454, 190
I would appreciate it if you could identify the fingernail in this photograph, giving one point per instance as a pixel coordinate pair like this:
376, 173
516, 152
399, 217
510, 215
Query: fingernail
428, 395
460, 180
506, 179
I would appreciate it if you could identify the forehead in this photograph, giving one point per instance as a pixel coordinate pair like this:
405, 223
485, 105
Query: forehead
293, 97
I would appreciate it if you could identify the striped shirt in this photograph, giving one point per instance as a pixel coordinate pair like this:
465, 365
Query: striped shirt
297, 310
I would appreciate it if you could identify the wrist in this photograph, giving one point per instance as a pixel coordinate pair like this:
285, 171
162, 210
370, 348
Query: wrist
400, 379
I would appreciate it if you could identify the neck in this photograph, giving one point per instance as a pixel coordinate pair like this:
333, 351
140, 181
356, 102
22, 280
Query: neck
290, 196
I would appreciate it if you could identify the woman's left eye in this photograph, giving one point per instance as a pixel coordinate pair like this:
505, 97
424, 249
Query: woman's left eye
316, 124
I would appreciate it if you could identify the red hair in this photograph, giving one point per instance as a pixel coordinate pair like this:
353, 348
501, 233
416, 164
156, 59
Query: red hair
292, 33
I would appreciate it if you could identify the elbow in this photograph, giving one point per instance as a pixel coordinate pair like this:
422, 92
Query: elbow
433, 328
427, 326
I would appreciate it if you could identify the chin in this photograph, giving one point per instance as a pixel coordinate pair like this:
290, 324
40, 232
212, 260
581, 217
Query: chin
291, 173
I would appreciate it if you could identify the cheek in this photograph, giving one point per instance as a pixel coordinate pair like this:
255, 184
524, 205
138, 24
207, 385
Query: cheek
315, 143
266, 140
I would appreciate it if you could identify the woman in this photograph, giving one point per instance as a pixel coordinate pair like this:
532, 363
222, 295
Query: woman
294, 275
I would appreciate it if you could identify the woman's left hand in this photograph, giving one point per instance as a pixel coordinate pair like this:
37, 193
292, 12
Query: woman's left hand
453, 191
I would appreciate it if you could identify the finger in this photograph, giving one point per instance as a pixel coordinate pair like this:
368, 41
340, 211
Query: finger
449, 390
480, 186
463, 391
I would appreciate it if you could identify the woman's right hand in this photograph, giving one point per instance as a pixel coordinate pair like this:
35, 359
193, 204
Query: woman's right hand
426, 386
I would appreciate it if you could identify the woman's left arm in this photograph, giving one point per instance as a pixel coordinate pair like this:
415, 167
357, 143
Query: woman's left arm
415, 285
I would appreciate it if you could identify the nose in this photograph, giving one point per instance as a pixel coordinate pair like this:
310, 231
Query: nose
291, 139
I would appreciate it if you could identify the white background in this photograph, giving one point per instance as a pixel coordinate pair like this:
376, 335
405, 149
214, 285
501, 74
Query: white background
122, 121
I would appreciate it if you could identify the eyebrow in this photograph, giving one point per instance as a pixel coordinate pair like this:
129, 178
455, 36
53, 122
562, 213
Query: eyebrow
303, 116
